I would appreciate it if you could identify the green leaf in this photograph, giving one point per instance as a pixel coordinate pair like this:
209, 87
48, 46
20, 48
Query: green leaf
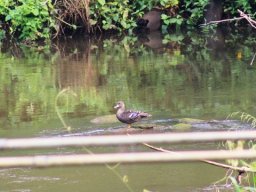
8, 17
254, 179
164, 16
92, 21
35, 12
125, 179
102, 2
124, 24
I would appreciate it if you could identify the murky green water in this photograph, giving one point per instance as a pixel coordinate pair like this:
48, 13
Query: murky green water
176, 76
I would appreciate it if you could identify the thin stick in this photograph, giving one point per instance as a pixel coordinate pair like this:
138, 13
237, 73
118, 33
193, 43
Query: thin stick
253, 59
221, 21
108, 140
57, 108
111, 158
241, 169
242, 16
248, 18
61, 20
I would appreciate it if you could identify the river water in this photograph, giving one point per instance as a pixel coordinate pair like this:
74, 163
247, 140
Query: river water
186, 75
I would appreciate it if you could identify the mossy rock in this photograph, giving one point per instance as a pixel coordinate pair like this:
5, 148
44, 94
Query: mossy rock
143, 126
124, 130
191, 120
104, 119
150, 126
139, 128
182, 126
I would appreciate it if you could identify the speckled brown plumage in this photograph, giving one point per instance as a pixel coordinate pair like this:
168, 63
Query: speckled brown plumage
128, 116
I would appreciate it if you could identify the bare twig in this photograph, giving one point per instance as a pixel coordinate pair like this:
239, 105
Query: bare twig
61, 20
248, 18
221, 21
253, 59
242, 16
239, 169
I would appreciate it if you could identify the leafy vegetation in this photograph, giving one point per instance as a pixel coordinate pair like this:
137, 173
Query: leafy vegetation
35, 20
238, 183
27, 19
231, 7
118, 15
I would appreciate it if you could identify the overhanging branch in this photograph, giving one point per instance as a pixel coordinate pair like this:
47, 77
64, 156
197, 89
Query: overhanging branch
242, 16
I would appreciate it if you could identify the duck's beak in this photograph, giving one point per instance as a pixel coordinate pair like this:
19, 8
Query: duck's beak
116, 106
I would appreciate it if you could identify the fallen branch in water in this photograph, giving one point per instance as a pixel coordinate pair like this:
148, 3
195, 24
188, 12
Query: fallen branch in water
242, 16
222, 165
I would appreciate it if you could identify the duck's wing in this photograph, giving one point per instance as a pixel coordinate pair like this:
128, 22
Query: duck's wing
135, 115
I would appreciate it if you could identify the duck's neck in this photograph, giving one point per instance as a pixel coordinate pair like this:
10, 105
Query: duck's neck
120, 110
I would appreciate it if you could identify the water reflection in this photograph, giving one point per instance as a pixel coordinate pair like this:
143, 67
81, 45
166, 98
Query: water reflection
153, 40
175, 75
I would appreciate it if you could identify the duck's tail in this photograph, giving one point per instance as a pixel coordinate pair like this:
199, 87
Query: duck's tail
143, 114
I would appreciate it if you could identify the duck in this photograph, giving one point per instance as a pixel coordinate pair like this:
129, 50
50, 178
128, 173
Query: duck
129, 116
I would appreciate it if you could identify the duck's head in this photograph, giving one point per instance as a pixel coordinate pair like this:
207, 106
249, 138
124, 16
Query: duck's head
119, 105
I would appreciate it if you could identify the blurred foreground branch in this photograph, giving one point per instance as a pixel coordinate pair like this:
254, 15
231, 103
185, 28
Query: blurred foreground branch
113, 158
109, 140
129, 157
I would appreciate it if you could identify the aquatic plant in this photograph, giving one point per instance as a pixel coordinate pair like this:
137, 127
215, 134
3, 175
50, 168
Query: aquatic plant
240, 145
244, 117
